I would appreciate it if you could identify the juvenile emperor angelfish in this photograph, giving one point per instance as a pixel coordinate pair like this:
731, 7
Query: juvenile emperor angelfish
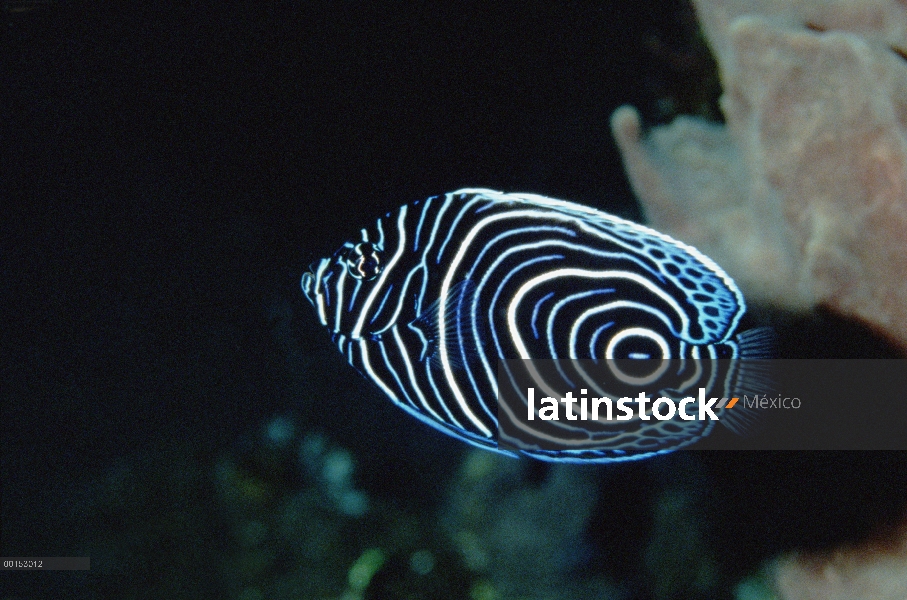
427, 300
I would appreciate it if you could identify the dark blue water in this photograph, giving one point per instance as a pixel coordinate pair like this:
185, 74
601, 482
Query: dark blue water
167, 173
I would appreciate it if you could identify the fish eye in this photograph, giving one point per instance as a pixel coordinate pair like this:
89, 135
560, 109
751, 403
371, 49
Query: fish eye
363, 261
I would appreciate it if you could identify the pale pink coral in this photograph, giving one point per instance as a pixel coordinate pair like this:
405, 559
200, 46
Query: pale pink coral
802, 196
866, 573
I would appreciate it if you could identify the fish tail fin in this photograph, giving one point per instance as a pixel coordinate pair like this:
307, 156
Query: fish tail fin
761, 342
751, 377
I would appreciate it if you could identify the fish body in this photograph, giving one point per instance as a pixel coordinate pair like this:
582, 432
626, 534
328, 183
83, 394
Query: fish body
427, 300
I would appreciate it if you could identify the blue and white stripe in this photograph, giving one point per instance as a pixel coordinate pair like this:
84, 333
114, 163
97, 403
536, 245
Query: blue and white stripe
428, 300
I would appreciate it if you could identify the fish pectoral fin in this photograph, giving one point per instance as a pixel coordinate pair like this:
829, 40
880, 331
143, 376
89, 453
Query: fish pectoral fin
428, 325
426, 331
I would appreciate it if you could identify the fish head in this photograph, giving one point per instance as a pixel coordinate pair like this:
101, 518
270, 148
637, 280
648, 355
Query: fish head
339, 286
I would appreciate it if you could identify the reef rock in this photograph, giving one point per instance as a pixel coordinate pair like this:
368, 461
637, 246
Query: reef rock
802, 195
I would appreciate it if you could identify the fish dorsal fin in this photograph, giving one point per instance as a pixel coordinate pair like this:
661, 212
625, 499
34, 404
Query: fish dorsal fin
712, 299
460, 298
716, 300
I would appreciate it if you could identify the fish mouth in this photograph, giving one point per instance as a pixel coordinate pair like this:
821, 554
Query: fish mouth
311, 279
308, 285
312, 282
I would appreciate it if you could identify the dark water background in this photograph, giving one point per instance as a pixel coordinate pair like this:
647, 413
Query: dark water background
166, 173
